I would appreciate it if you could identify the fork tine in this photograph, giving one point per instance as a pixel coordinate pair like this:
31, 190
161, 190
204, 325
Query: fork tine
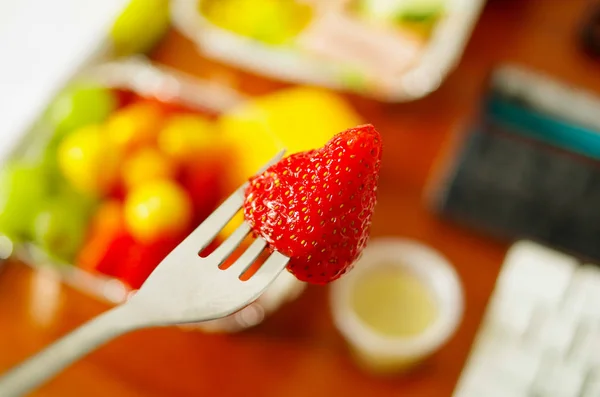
248, 257
215, 222
271, 268
232, 242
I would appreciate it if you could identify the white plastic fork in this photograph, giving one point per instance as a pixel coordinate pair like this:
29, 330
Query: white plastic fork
184, 288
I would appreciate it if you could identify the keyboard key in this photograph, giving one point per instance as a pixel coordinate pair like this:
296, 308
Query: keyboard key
592, 384
511, 314
485, 381
534, 272
583, 295
552, 331
488, 389
505, 360
586, 347
557, 378
516, 366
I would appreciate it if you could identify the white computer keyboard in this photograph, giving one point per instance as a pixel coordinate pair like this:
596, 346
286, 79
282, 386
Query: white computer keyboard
540, 336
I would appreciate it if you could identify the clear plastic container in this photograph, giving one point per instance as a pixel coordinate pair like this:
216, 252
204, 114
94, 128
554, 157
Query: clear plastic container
146, 79
341, 49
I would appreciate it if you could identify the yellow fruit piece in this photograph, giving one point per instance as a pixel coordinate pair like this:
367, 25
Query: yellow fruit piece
297, 119
134, 126
88, 161
147, 165
156, 210
184, 137
140, 26
270, 21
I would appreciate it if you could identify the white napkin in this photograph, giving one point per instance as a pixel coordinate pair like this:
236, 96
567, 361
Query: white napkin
42, 43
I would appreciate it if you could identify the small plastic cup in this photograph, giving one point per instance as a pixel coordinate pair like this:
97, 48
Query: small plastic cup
385, 352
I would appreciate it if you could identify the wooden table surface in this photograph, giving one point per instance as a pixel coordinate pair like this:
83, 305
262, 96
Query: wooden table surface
297, 352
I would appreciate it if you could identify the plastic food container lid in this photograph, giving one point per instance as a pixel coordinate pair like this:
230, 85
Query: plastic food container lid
428, 266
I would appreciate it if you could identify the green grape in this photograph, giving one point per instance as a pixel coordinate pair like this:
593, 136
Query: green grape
140, 26
23, 187
79, 106
415, 11
422, 11
83, 204
49, 162
60, 226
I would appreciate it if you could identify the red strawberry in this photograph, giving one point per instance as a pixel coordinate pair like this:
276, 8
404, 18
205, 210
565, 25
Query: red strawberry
316, 206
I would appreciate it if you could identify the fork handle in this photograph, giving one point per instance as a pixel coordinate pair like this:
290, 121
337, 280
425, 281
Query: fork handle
50, 361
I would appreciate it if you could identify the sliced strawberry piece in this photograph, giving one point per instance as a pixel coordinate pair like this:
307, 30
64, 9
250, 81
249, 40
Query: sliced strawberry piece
316, 206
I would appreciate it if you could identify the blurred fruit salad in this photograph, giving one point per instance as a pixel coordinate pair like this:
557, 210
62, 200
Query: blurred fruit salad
123, 178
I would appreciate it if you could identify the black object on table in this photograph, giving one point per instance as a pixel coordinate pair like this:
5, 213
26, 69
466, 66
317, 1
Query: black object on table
590, 32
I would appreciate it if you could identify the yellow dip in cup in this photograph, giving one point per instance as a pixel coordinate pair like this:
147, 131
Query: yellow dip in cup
401, 302
394, 302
